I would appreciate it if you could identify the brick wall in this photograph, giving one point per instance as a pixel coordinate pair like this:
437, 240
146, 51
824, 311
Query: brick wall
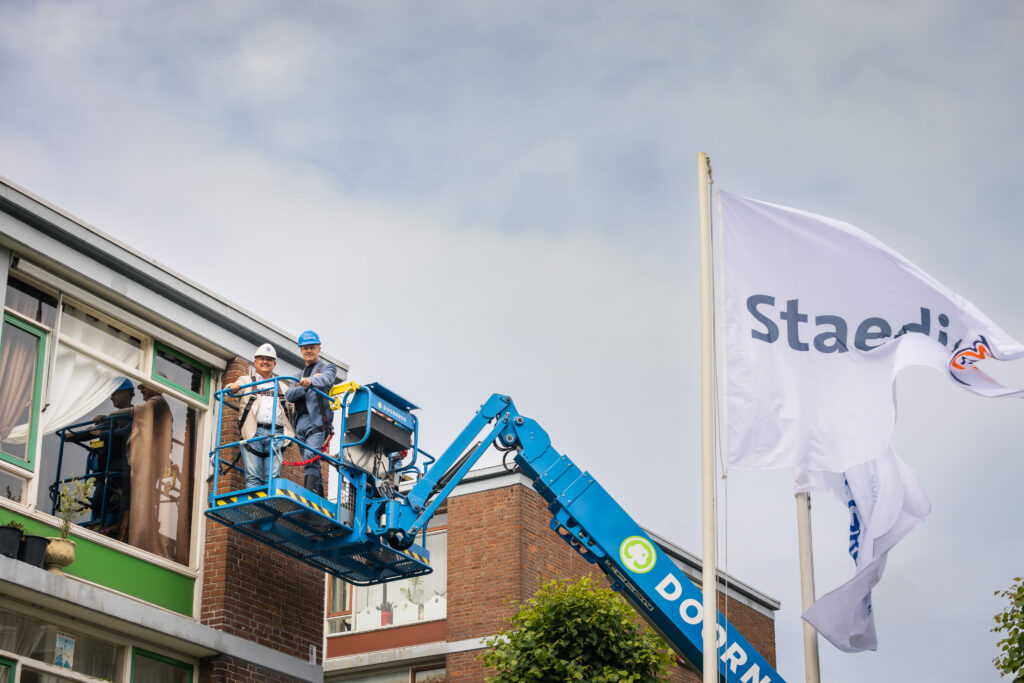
251, 590
501, 549
224, 669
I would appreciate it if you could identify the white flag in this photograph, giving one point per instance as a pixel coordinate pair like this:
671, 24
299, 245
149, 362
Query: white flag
819, 318
886, 500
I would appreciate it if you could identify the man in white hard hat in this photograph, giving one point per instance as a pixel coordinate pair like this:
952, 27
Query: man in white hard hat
259, 415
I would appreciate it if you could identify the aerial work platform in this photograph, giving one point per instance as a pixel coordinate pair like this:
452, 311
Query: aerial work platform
326, 534
367, 535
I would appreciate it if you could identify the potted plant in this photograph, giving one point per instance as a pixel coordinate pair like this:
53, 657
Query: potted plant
10, 538
72, 499
386, 612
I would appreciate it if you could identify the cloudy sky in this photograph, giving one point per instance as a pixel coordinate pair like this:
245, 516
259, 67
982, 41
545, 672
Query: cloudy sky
471, 197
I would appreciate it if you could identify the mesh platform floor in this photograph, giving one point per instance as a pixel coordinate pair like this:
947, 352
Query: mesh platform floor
307, 531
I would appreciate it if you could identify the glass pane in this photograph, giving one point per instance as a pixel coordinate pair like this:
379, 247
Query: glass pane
421, 598
101, 336
339, 596
83, 415
392, 677
430, 675
148, 670
31, 302
6, 672
18, 378
137, 444
13, 488
180, 371
336, 625
47, 643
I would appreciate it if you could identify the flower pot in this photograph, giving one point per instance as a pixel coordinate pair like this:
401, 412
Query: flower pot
59, 554
33, 549
10, 541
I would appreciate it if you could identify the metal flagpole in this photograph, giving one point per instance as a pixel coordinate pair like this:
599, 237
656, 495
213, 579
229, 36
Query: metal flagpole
709, 579
812, 668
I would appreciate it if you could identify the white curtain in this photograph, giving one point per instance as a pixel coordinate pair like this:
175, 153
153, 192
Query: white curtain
79, 384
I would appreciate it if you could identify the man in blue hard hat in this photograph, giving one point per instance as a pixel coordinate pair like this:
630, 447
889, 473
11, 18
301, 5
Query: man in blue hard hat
313, 416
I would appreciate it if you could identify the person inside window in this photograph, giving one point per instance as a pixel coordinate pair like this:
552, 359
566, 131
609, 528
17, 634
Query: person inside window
108, 463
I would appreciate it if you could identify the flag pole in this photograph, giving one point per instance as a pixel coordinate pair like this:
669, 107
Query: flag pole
812, 668
709, 578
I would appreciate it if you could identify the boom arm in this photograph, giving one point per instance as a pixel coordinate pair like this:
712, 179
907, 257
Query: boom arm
590, 521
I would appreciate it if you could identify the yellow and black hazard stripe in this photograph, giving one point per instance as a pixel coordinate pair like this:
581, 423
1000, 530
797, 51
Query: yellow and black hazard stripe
263, 494
416, 556
241, 499
308, 503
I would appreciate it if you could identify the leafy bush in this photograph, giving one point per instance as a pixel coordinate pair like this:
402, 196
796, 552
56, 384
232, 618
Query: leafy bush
1011, 620
574, 631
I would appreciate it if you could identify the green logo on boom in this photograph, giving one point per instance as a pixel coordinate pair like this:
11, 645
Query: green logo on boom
637, 554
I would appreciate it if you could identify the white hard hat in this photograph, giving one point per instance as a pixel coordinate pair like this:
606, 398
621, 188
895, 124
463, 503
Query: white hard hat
266, 350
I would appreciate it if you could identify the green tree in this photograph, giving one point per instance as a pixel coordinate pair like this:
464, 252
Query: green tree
575, 631
1011, 621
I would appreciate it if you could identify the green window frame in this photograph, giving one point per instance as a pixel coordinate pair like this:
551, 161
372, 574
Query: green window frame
9, 663
159, 348
139, 652
33, 423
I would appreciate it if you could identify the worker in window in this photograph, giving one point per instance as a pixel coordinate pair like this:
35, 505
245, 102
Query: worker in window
112, 494
259, 415
313, 416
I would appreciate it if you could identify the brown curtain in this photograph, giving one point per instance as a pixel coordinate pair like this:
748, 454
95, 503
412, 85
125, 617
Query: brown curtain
17, 366
184, 535
149, 452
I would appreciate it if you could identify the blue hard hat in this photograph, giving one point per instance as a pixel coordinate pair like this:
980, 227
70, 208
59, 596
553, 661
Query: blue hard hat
309, 337
126, 385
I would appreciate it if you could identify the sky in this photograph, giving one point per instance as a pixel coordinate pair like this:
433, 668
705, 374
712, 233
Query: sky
465, 198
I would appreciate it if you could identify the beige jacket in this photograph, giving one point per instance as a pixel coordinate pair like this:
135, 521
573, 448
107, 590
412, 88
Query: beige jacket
248, 427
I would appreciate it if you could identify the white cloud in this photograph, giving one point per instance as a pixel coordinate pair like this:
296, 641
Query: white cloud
502, 198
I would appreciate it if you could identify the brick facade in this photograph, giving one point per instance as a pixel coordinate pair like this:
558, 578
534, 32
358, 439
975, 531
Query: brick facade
501, 550
225, 669
251, 590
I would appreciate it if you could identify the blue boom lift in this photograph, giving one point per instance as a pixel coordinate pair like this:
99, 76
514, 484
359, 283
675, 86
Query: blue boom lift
368, 535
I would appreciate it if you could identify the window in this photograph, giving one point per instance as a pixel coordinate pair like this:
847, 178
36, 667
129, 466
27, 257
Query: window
12, 488
6, 670
148, 667
141, 455
21, 373
433, 673
339, 607
421, 598
32, 303
176, 370
53, 645
429, 675
75, 402
101, 336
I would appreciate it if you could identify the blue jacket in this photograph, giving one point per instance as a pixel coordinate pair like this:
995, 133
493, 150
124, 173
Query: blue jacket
322, 378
